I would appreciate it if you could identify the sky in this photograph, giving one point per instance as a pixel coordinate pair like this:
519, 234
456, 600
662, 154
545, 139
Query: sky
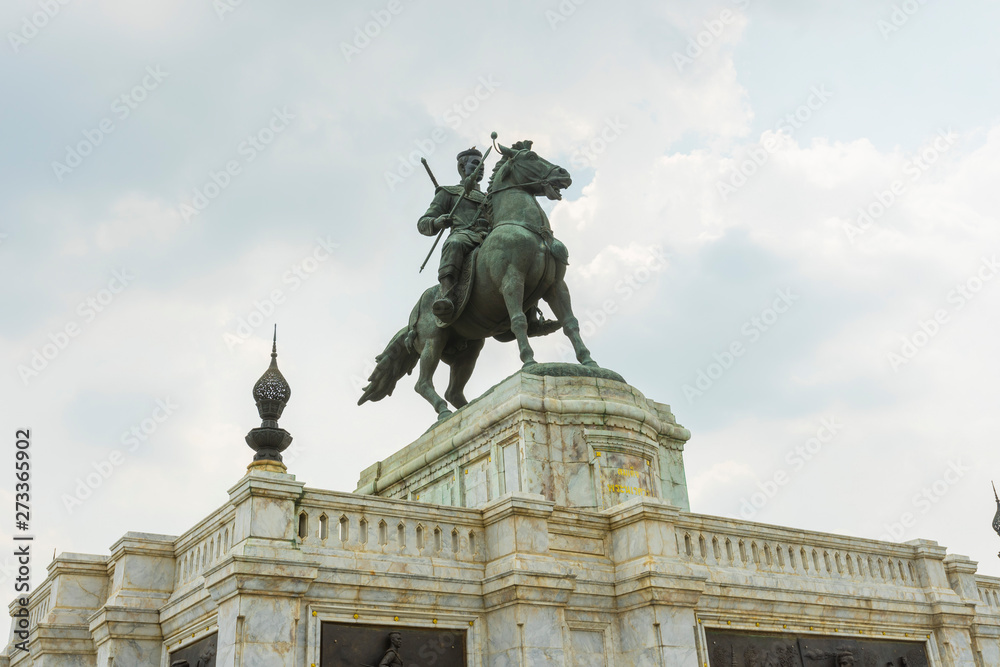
782, 222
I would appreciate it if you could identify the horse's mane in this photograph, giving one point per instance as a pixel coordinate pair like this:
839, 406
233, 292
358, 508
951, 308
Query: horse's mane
517, 146
496, 169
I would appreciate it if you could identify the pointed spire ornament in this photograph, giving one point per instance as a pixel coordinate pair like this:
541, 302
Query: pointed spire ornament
996, 517
271, 392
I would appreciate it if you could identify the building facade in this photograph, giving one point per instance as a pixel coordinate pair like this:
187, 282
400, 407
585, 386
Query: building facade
546, 523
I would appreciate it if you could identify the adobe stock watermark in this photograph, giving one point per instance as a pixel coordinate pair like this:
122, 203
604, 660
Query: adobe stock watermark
752, 331
796, 459
562, 12
757, 156
625, 288
609, 133
121, 108
247, 151
8, 569
714, 29
132, 439
224, 7
370, 30
928, 329
293, 278
453, 117
924, 500
88, 310
32, 24
899, 16
914, 169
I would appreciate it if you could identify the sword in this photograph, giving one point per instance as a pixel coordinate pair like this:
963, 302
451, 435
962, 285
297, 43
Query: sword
469, 182
427, 167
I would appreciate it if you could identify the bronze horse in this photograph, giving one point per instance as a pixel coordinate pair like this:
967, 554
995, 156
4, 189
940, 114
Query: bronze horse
519, 263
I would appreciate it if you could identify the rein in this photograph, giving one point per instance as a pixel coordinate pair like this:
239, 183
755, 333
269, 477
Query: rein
544, 180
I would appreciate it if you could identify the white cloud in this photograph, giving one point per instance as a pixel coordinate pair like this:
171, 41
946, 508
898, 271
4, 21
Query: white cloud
135, 217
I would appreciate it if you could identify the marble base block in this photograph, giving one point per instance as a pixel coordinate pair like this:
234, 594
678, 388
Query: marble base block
587, 442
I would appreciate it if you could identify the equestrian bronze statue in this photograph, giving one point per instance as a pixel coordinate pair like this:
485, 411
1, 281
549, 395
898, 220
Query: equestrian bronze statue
497, 290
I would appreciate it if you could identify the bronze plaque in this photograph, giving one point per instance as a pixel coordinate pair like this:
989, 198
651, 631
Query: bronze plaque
746, 649
352, 645
199, 654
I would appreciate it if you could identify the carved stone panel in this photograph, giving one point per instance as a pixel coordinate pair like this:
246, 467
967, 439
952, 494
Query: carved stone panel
199, 654
588, 648
475, 480
745, 649
621, 476
438, 492
348, 644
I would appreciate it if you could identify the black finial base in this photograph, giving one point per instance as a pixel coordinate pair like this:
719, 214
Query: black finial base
268, 443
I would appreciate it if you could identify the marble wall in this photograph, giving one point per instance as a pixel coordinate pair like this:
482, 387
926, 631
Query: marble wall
531, 583
523, 539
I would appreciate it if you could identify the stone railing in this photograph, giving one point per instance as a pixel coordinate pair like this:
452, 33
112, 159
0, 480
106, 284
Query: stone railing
38, 607
770, 549
204, 545
989, 592
346, 521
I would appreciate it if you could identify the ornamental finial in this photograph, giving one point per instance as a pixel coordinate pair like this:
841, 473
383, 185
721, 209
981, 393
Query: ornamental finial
271, 392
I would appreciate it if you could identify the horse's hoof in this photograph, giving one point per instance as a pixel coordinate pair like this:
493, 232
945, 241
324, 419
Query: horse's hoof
444, 414
458, 401
528, 364
591, 363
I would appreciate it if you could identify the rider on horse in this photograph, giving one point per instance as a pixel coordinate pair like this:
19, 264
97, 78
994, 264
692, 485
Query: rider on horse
518, 264
468, 226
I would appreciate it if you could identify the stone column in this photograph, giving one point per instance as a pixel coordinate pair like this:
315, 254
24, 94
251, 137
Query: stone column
671, 438
259, 585
77, 587
952, 616
127, 628
525, 588
656, 592
961, 573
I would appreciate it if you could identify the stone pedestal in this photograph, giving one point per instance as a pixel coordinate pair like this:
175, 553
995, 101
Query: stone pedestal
525, 588
126, 629
258, 587
578, 441
656, 592
76, 588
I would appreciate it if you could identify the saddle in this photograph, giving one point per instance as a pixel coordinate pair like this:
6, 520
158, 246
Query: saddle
537, 324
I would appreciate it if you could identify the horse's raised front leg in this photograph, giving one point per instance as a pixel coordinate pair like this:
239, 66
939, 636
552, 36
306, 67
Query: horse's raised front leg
558, 299
461, 370
429, 358
513, 296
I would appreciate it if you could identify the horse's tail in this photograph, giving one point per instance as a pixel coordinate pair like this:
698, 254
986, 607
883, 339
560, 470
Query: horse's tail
397, 360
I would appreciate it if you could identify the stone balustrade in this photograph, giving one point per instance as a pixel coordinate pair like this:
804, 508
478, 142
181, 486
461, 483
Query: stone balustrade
364, 524
989, 592
204, 545
38, 607
719, 542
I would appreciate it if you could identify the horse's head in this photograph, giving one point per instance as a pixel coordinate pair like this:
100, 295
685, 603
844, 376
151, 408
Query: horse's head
520, 167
